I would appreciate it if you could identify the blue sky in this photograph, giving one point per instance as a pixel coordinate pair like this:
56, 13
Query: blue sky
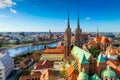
42, 15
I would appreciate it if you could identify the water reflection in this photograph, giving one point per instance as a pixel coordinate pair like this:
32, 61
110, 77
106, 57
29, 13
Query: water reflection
25, 49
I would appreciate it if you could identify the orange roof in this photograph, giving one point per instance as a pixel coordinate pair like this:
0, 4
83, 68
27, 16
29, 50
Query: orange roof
98, 38
33, 76
113, 50
60, 46
46, 74
104, 39
118, 69
91, 42
70, 70
111, 64
53, 51
74, 75
43, 65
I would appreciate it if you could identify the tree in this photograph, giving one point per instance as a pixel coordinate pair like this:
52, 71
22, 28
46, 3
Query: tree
94, 51
63, 71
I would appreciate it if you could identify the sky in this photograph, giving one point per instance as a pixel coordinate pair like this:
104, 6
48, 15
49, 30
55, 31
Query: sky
42, 15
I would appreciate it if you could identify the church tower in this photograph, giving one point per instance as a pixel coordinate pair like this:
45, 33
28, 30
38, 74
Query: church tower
97, 33
100, 65
78, 35
50, 34
67, 39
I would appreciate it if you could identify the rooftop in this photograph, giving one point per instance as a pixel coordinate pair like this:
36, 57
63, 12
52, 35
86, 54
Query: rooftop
79, 53
53, 51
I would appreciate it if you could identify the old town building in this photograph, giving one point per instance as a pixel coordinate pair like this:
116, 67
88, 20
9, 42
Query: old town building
100, 42
80, 63
83, 66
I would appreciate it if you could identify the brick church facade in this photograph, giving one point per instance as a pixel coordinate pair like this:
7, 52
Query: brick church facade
82, 65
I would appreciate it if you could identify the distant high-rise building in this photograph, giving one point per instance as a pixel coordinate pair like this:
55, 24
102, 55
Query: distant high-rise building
67, 39
78, 35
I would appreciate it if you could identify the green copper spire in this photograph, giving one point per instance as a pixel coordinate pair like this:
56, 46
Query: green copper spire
78, 24
68, 22
83, 60
100, 58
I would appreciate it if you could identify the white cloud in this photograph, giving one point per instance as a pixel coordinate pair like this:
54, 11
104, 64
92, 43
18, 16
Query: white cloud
87, 18
6, 3
13, 10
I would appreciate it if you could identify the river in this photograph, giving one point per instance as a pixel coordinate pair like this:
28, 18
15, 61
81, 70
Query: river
30, 48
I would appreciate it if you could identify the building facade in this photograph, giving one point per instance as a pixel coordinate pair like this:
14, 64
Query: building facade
6, 65
78, 35
67, 39
88, 67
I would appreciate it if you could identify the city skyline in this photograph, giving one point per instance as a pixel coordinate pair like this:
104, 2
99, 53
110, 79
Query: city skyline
42, 15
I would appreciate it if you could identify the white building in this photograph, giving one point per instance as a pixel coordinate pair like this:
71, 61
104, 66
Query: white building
6, 65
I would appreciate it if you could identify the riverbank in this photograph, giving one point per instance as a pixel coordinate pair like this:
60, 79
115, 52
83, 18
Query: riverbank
7, 46
24, 49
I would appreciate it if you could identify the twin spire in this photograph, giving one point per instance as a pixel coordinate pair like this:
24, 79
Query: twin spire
97, 34
68, 22
78, 25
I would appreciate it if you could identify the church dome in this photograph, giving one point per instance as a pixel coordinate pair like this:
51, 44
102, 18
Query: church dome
83, 75
108, 73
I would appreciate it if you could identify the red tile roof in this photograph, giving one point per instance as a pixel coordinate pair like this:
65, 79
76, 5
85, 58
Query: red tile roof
47, 75
43, 65
53, 51
111, 64
70, 70
116, 68
36, 75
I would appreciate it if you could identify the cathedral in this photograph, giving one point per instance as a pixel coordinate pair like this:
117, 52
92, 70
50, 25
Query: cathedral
81, 65
67, 37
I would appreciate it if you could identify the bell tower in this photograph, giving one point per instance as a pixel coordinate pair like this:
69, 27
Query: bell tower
67, 39
78, 35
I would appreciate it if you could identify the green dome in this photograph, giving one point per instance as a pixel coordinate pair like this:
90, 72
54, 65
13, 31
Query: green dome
83, 75
95, 77
108, 73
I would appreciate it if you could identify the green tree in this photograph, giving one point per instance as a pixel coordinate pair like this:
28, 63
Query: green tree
63, 71
94, 51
